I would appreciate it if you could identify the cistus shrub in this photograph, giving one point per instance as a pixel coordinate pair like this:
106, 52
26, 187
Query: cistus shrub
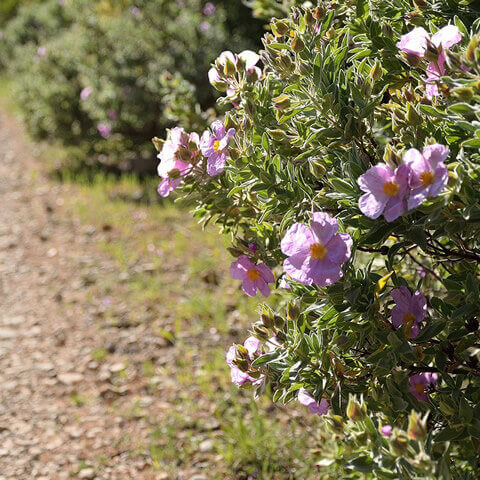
121, 73
347, 173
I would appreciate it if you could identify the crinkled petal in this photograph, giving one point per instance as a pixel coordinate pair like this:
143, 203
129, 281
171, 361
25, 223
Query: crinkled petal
226, 54
297, 240
417, 197
436, 153
249, 57
324, 272
431, 91
265, 273
414, 42
252, 344
263, 287
371, 206
339, 248
441, 180
395, 208
419, 306
298, 268
240, 267
447, 36
216, 164
373, 180
218, 129
213, 76
397, 316
249, 287
402, 298
231, 355
323, 227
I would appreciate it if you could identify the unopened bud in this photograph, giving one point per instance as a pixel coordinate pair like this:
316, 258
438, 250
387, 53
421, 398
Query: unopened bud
471, 49
242, 352
280, 337
335, 423
278, 321
279, 28
355, 411
267, 319
376, 72
261, 332
317, 169
330, 33
417, 427
432, 52
319, 13
412, 59
242, 364
391, 158
399, 443
292, 311
297, 45
281, 102
309, 19
420, 3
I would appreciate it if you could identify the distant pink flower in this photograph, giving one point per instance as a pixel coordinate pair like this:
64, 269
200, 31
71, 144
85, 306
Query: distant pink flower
86, 92
422, 273
135, 11
386, 191
204, 27
386, 430
254, 277
171, 168
419, 383
214, 146
112, 114
104, 129
316, 253
239, 378
410, 310
314, 408
209, 9
284, 284
428, 173
252, 246
41, 52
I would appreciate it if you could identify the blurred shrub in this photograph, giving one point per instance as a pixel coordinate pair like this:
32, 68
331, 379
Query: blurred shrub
122, 72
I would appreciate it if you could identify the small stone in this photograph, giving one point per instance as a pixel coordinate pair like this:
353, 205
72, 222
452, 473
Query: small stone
206, 446
87, 474
70, 378
198, 477
117, 367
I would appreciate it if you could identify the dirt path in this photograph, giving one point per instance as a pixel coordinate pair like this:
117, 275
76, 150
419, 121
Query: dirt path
56, 416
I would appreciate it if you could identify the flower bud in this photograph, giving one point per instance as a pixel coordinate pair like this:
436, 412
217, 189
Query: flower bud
317, 169
432, 52
278, 321
297, 45
280, 337
376, 72
279, 28
417, 427
267, 319
412, 60
471, 49
399, 444
292, 311
309, 19
261, 332
319, 13
330, 33
242, 352
420, 4
355, 411
281, 102
242, 364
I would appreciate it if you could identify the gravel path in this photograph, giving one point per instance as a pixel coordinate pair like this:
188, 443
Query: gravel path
56, 404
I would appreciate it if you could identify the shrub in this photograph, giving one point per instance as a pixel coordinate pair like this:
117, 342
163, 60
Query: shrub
352, 173
123, 72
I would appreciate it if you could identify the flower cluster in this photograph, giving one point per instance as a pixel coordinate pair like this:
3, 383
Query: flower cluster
182, 155
392, 192
239, 358
232, 73
420, 44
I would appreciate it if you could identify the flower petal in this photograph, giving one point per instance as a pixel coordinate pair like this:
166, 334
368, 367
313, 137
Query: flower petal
447, 36
323, 227
298, 239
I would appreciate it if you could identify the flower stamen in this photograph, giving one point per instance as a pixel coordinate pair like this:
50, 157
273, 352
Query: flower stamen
391, 188
318, 251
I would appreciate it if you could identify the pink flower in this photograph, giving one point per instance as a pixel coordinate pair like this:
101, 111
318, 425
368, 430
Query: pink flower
316, 253
416, 43
209, 9
104, 129
386, 191
171, 168
215, 145
314, 408
410, 310
112, 114
386, 430
239, 377
428, 174
284, 284
419, 382
254, 277
85, 93
41, 52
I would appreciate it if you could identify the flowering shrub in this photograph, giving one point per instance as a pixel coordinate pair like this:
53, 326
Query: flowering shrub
353, 175
123, 71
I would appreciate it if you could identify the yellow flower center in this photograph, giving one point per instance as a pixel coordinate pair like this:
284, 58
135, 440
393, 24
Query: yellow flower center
426, 178
292, 33
419, 388
391, 188
253, 274
317, 251
408, 318
216, 145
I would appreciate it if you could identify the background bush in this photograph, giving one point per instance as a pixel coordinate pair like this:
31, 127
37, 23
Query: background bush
144, 64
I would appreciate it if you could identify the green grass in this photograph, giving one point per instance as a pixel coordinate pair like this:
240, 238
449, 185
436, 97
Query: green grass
190, 299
